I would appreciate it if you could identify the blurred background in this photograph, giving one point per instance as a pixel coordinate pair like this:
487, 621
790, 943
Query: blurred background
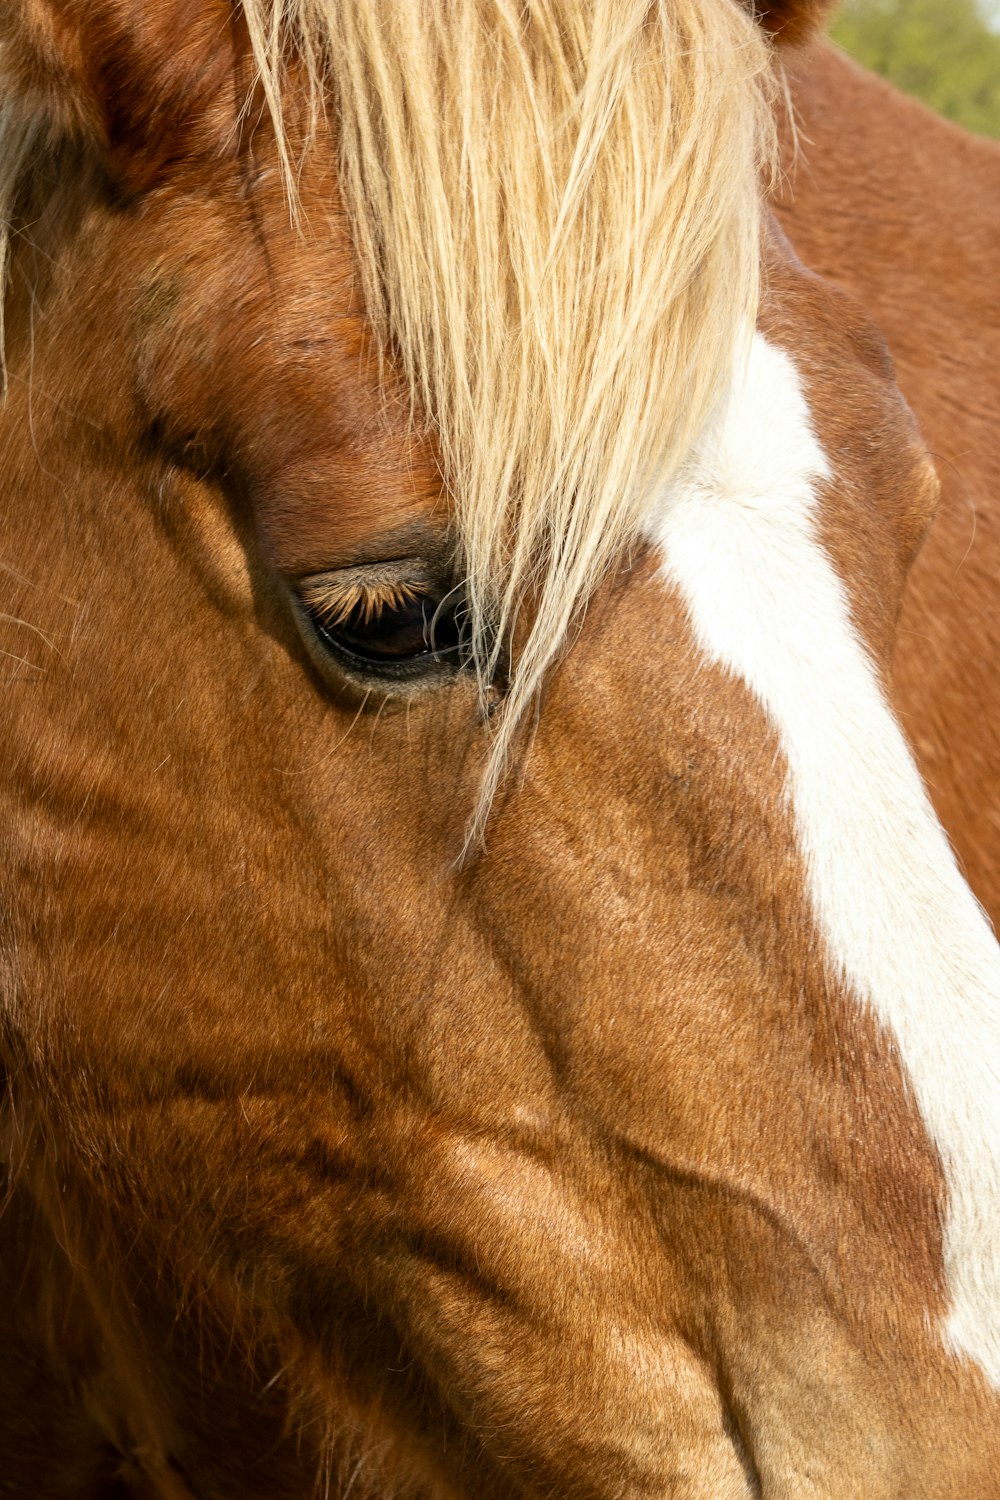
945, 52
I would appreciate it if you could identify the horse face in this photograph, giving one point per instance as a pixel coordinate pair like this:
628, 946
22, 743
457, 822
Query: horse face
550, 1171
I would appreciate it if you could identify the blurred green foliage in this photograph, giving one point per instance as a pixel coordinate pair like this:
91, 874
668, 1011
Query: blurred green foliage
942, 51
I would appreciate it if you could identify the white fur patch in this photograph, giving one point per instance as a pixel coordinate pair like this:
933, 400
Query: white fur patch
739, 541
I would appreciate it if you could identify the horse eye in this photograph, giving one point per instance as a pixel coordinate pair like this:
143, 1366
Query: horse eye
402, 629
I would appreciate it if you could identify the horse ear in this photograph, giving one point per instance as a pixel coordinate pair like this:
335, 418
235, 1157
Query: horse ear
128, 79
790, 22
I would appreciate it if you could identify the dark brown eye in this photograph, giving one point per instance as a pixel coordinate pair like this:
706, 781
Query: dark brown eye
394, 632
388, 628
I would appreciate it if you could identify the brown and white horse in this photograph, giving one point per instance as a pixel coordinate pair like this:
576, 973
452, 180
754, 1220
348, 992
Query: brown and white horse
396, 445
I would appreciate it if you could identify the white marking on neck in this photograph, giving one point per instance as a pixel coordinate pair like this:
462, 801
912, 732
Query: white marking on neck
739, 541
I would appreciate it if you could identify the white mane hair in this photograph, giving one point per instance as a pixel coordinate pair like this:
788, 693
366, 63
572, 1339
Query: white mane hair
556, 217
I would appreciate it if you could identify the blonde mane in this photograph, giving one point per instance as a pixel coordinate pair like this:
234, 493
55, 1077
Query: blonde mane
556, 209
556, 215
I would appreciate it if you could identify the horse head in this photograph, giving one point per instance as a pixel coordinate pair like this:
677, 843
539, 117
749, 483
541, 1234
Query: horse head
489, 1008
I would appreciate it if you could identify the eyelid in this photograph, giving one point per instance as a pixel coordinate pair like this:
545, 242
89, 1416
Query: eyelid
396, 570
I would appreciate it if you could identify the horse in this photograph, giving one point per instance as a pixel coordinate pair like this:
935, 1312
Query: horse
449, 1051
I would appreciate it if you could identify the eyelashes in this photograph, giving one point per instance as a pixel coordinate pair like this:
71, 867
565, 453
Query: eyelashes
333, 601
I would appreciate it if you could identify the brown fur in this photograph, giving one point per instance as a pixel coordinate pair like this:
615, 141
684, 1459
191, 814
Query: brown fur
338, 1168
791, 22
